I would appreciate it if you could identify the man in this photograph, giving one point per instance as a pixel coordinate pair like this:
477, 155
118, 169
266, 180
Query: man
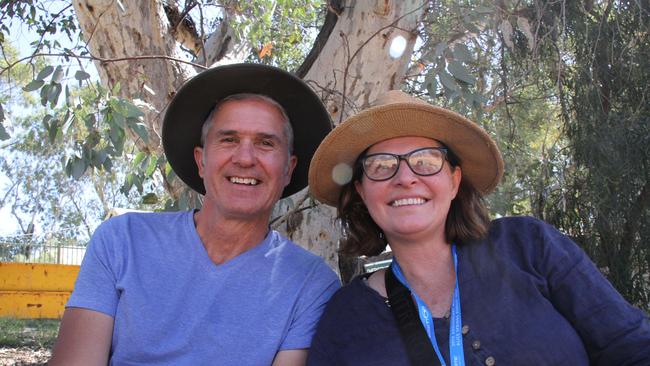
215, 286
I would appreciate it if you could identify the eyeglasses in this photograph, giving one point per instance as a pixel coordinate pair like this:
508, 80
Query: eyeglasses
383, 166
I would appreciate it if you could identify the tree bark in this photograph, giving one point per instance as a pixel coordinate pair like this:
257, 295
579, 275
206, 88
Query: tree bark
351, 70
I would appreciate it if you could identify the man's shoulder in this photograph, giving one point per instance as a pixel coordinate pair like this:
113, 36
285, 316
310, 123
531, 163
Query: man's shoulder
285, 246
144, 218
294, 257
139, 224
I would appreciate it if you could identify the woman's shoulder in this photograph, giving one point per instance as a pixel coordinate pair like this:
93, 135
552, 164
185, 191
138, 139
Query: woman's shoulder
522, 230
353, 300
352, 292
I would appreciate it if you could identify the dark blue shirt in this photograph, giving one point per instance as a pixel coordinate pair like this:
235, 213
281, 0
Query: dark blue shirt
529, 296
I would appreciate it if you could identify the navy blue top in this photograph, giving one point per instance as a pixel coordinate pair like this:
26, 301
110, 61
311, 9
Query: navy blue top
529, 296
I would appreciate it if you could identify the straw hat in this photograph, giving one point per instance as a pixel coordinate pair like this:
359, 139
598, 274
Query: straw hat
397, 114
193, 102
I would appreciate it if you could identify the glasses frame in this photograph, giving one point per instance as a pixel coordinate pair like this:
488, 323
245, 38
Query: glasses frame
404, 157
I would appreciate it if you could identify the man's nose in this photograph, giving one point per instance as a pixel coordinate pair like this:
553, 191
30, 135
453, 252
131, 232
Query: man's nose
244, 154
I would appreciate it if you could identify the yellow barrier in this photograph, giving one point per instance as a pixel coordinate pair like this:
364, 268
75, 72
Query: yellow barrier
29, 290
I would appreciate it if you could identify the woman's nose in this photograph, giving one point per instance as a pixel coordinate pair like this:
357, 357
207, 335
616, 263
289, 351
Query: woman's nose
404, 175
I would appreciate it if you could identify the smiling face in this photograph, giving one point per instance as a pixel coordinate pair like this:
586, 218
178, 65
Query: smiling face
245, 162
409, 206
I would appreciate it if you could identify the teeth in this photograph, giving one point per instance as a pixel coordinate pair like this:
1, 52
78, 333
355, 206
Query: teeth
248, 181
408, 201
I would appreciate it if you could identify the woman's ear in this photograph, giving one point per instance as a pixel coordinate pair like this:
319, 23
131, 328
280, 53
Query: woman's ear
359, 188
456, 178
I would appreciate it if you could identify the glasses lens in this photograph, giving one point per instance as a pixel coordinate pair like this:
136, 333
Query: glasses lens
380, 166
426, 161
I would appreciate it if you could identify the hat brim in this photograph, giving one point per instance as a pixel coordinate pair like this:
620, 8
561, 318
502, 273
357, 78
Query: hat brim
480, 159
189, 108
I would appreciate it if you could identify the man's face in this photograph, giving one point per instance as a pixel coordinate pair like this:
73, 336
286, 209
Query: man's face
245, 162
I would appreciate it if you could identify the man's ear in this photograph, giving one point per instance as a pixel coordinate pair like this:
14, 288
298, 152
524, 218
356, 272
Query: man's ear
198, 158
291, 165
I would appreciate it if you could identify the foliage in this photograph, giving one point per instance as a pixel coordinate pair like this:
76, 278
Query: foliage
608, 88
280, 31
564, 89
60, 174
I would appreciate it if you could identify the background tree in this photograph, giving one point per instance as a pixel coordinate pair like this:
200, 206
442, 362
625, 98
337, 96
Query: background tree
560, 85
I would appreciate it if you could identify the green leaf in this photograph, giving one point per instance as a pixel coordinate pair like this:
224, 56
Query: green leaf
169, 172
78, 168
2, 113
139, 157
3, 133
54, 93
116, 88
98, 157
47, 70
53, 130
448, 81
45, 91
431, 84
139, 128
116, 134
461, 53
440, 48
118, 119
46, 120
150, 199
90, 121
132, 111
33, 85
153, 163
81, 75
69, 120
128, 184
137, 181
460, 72
58, 75
108, 164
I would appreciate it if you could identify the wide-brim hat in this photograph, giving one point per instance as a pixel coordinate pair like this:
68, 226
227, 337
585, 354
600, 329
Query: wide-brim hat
190, 107
397, 114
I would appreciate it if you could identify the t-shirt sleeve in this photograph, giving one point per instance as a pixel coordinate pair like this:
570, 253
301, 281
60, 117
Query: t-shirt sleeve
319, 287
613, 331
95, 287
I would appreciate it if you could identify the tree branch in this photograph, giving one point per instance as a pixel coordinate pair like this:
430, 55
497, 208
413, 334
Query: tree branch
334, 10
103, 60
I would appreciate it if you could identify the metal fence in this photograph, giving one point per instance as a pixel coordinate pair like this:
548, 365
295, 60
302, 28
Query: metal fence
30, 252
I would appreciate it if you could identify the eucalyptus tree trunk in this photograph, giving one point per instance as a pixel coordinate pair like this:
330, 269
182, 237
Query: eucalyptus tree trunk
138, 45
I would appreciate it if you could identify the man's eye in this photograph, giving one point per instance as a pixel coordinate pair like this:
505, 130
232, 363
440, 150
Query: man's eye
228, 140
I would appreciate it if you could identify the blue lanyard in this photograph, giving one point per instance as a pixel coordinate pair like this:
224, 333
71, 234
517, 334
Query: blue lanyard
455, 332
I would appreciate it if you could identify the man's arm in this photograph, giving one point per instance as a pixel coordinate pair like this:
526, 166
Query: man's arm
84, 338
293, 357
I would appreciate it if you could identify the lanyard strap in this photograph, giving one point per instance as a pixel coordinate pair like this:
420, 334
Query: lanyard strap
455, 324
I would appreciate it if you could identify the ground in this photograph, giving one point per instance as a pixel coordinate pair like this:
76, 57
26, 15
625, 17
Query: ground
26, 341
23, 356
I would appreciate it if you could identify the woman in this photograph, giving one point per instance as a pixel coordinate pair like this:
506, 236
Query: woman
463, 290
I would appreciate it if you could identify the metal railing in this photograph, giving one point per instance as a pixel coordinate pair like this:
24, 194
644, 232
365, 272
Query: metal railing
30, 252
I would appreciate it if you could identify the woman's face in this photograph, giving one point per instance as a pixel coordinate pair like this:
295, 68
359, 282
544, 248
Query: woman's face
410, 206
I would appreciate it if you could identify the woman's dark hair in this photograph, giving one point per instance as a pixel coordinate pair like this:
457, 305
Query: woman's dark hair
467, 218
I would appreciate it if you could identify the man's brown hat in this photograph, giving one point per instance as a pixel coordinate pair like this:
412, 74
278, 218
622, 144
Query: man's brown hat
189, 108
